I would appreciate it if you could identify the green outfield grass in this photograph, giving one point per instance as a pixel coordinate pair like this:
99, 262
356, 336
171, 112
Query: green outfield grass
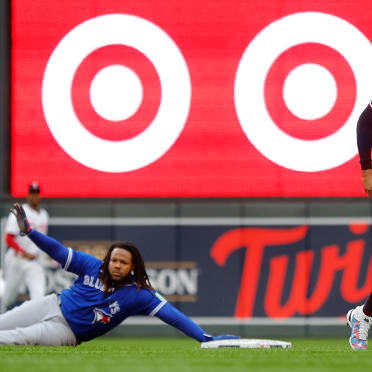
176, 355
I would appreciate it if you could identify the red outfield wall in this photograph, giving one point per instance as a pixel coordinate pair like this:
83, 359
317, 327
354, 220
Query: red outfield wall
164, 98
272, 271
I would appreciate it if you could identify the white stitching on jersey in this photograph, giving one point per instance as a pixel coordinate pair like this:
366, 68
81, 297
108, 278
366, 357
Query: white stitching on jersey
157, 308
68, 261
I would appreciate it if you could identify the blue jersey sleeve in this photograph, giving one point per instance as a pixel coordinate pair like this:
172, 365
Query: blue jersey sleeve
52, 247
81, 263
175, 318
150, 303
76, 262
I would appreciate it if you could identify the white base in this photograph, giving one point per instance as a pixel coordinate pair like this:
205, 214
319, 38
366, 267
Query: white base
246, 343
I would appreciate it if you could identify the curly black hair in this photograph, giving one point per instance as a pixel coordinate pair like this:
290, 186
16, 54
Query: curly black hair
140, 274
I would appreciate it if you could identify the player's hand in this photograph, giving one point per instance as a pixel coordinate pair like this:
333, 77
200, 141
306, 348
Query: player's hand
22, 221
28, 256
223, 337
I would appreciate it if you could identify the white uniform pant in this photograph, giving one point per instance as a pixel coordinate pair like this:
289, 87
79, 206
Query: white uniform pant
36, 322
18, 270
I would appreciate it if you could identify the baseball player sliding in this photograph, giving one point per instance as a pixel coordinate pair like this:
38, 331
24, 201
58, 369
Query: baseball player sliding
105, 294
22, 260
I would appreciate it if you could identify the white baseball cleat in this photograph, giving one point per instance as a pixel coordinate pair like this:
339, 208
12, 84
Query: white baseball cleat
359, 324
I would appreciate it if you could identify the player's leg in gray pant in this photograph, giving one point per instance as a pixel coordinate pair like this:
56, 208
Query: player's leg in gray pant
30, 312
53, 332
35, 280
36, 322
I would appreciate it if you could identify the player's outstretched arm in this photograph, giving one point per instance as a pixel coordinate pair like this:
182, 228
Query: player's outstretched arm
175, 318
52, 247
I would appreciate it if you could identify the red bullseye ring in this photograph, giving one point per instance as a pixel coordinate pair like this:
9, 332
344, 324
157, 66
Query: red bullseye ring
336, 64
96, 61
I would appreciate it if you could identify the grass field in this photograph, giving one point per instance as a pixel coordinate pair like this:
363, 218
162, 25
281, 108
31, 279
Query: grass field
176, 355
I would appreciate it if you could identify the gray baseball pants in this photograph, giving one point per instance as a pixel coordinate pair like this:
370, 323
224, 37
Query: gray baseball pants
36, 322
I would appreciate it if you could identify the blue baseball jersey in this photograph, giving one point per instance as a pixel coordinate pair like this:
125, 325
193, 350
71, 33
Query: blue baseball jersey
89, 311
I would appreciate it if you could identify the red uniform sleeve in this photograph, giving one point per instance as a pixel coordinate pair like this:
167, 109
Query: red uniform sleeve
11, 242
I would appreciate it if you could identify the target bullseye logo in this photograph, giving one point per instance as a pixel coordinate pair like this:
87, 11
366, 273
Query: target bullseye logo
310, 91
261, 122
125, 96
116, 93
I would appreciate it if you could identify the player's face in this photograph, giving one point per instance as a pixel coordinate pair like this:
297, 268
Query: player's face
121, 264
33, 199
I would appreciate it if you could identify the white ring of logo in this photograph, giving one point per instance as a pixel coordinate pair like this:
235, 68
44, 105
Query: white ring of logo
159, 136
269, 140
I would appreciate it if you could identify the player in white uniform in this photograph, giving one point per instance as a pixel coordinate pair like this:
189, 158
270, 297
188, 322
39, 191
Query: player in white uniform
22, 264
